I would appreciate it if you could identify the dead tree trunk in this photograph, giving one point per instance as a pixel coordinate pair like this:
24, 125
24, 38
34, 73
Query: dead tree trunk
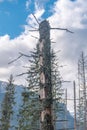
82, 87
75, 125
44, 47
66, 109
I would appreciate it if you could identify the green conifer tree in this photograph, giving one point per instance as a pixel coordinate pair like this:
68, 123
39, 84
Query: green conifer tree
57, 90
7, 105
29, 112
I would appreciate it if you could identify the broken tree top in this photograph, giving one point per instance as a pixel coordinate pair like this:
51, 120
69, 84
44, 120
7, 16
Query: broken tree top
44, 29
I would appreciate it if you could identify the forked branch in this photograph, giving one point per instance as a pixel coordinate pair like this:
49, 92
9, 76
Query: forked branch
21, 55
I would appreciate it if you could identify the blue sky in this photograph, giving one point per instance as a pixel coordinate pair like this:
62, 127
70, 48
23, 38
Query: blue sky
13, 14
15, 37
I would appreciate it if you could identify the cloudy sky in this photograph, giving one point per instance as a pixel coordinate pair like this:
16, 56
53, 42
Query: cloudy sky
16, 20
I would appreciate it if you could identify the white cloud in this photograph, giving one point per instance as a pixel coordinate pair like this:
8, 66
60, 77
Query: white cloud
1, 0
10, 48
68, 14
72, 15
41, 3
28, 2
38, 13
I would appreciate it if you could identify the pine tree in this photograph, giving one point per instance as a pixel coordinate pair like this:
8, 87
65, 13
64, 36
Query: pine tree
29, 112
7, 105
57, 90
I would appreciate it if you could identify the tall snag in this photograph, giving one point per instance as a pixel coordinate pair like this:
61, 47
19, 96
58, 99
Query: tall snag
44, 46
82, 75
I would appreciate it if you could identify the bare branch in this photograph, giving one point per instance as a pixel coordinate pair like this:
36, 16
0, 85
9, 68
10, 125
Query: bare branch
24, 54
15, 59
53, 42
22, 74
35, 18
31, 72
57, 51
34, 37
33, 27
65, 81
25, 66
33, 30
63, 29
21, 54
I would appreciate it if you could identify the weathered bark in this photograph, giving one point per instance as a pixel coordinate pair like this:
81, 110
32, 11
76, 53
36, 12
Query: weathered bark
45, 76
